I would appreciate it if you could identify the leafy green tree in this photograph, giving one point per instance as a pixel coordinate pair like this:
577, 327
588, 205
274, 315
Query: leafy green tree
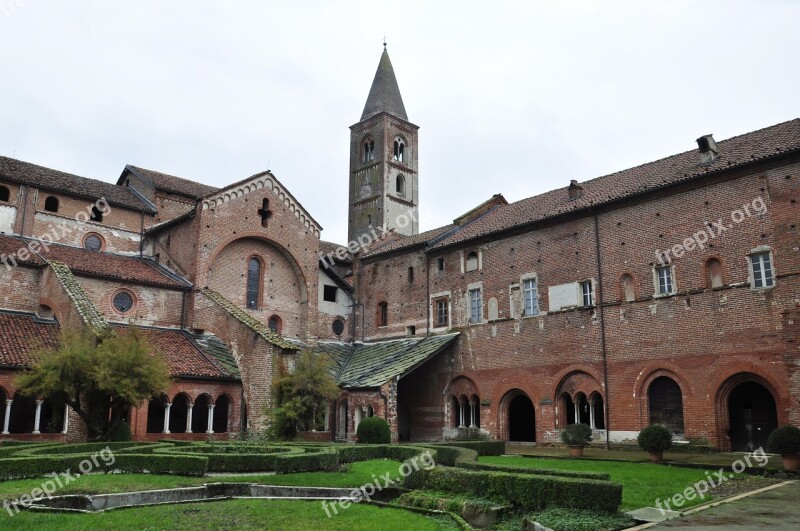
301, 395
91, 375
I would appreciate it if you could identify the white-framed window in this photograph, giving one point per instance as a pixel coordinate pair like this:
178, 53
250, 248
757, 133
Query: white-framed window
472, 262
587, 293
441, 312
530, 297
665, 284
475, 306
763, 275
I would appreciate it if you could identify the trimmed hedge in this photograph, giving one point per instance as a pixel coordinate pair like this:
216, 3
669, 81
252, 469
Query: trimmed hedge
325, 459
528, 491
455, 455
482, 447
537, 471
38, 466
373, 430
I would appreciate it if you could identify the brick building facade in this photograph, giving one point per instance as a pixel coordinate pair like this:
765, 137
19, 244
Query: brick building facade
668, 293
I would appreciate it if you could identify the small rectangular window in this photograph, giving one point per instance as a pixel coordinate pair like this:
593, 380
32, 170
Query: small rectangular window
411, 330
763, 276
383, 314
441, 312
475, 306
411, 274
440, 263
530, 298
587, 293
329, 293
665, 284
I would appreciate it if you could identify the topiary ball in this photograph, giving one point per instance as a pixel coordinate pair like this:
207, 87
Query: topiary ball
119, 431
373, 430
784, 441
655, 438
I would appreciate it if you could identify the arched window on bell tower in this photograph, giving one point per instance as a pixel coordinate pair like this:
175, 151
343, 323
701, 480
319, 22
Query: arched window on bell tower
400, 186
368, 150
399, 149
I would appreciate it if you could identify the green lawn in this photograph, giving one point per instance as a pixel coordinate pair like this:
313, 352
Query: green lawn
642, 483
357, 474
232, 514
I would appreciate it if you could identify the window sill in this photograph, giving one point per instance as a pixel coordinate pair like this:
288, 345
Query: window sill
763, 289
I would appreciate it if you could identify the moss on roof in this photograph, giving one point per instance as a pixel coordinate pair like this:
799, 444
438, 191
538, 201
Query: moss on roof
373, 364
248, 320
88, 311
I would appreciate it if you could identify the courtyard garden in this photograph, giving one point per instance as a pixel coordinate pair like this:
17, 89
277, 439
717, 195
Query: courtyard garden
431, 486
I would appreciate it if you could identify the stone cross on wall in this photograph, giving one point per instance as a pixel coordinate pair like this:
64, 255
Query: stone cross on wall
265, 213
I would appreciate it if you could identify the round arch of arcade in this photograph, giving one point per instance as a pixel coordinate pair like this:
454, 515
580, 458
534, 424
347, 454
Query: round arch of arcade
20, 414
517, 416
747, 406
462, 403
182, 414
662, 394
580, 400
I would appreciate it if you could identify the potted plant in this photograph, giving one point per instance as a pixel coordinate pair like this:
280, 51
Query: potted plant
654, 440
577, 437
786, 441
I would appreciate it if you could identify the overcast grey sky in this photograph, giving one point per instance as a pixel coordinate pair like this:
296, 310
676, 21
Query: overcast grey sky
511, 97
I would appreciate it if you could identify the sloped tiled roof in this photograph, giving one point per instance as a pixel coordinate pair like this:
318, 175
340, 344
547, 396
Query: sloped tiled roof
734, 152
10, 247
410, 241
214, 346
184, 357
248, 320
21, 335
91, 316
373, 364
172, 184
95, 263
326, 248
108, 265
59, 181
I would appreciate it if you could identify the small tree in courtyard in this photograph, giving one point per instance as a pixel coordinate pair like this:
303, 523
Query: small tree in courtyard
91, 375
301, 395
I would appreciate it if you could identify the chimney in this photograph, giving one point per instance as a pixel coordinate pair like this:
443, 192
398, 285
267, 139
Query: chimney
574, 190
708, 148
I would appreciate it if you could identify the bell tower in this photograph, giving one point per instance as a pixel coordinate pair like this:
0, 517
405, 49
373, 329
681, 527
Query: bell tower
383, 161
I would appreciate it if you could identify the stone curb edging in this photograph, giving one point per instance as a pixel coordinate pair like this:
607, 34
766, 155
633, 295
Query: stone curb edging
715, 504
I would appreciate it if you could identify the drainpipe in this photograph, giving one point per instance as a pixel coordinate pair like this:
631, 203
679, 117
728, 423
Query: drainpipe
428, 291
606, 402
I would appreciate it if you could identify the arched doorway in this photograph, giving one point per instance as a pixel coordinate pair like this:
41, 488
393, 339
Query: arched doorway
200, 413
752, 414
178, 413
521, 419
221, 408
666, 404
155, 414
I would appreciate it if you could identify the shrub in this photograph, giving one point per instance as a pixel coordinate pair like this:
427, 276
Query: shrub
655, 438
785, 441
119, 431
577, 435
559, 519
373, 430
528, 491
537, 471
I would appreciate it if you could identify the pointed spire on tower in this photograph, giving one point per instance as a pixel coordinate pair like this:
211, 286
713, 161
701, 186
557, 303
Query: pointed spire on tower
384, 96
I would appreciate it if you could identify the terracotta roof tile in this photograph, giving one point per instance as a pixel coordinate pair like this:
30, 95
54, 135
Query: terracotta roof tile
23, 334
733, 152
172, 184
127, 268
183, 356
59, 181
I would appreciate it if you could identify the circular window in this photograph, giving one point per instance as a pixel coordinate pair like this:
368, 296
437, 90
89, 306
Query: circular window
123, 301
93, 242
338, 326
274, 324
